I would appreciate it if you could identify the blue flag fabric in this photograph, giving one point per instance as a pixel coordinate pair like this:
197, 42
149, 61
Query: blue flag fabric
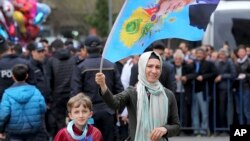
141, 22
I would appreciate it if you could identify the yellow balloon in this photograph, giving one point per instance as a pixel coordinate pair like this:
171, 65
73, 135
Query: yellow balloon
20, 19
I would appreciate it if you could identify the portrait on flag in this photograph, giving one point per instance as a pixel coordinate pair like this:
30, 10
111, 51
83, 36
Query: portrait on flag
142, 22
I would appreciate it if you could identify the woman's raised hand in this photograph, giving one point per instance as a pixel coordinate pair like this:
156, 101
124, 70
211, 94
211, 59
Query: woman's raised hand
100, 80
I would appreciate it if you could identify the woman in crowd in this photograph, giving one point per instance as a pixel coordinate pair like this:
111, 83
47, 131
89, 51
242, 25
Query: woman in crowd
152, 109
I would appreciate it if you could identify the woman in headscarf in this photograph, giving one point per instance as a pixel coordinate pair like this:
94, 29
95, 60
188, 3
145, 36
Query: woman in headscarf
152, 109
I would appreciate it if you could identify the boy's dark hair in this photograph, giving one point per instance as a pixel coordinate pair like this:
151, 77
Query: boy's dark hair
20, 71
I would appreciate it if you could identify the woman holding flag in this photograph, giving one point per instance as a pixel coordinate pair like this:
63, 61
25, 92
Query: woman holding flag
152, 109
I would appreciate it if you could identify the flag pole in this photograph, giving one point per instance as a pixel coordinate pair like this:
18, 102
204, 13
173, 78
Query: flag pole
101, 64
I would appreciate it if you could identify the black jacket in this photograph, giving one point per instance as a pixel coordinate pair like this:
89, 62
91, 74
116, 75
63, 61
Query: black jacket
40, 78
227, 71
83, 80
244, 68
61, 66
207, 71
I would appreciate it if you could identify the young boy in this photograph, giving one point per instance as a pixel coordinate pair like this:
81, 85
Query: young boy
22, 108
79, 110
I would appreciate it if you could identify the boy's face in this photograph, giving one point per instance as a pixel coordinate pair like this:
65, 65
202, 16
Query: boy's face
80, 115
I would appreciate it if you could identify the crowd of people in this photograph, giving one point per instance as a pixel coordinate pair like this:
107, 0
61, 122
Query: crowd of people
148, 97
212, 87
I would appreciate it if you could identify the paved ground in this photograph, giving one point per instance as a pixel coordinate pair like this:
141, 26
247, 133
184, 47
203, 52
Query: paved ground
189, 138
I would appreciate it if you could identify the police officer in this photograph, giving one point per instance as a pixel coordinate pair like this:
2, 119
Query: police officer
8, 60
39, 69
40, 78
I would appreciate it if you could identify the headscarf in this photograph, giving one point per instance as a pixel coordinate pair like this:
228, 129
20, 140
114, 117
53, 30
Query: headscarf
153, 112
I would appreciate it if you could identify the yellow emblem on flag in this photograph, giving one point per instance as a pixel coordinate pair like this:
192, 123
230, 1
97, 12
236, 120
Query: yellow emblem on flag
135, 27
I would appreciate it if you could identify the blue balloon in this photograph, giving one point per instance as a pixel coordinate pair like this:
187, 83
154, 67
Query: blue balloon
43, 10
39, 18
3, 33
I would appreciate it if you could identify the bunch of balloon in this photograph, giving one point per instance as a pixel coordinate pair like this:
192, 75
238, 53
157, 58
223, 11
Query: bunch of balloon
20, 19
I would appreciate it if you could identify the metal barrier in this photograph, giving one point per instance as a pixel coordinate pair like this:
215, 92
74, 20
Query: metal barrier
230, 98
241, 101
229, 92
182, 99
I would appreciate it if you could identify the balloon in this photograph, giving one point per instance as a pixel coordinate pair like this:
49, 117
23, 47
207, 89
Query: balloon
27, 7
8, 8
43, 10
24, 15
7, 24
20, 19
33, 31
33, 9
2, 18
39, 18
3, 33
12, 30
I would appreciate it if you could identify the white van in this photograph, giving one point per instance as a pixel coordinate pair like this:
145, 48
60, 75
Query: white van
219, 30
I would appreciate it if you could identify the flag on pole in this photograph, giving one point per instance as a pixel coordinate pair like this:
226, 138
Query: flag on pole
141, 22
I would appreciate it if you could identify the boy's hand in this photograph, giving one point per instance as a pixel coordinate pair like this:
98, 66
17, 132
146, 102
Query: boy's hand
100, 80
